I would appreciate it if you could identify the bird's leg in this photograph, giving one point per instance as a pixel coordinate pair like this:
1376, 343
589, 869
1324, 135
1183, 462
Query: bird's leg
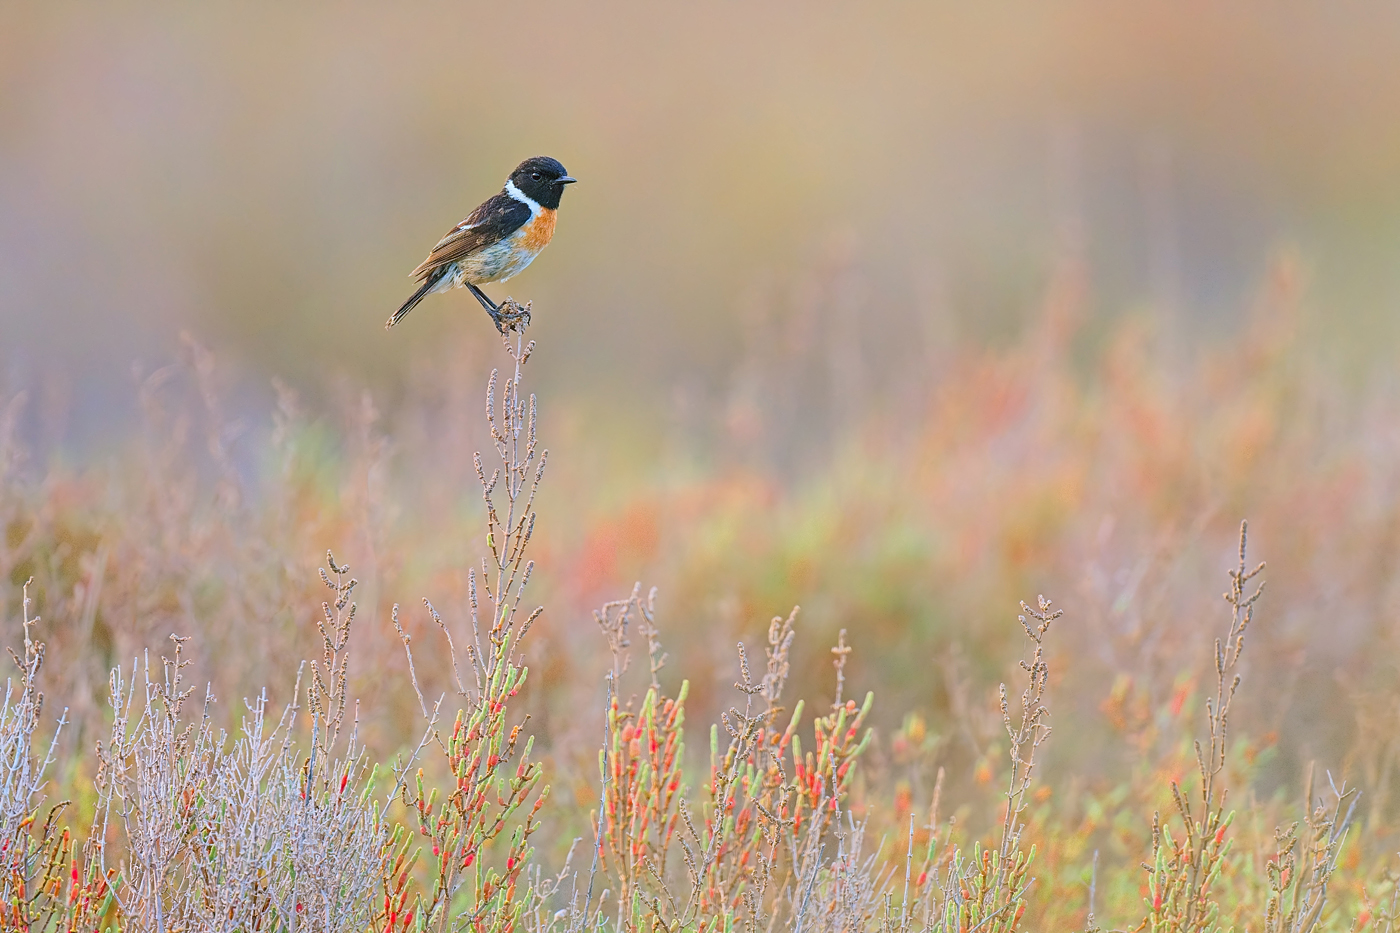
490, 306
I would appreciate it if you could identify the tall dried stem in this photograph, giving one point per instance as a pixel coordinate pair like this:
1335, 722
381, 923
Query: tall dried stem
1185, 870
485, 797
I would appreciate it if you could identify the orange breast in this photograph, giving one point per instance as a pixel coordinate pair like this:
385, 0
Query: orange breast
539, 231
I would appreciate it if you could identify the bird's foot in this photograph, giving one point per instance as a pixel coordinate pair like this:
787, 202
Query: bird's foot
511, 315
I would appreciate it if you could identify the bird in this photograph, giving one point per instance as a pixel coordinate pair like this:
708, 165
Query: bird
497, 240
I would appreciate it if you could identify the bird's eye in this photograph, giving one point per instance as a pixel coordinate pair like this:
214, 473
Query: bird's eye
535, 176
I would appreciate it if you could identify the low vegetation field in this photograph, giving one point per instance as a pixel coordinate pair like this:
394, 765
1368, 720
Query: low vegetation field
1013, 697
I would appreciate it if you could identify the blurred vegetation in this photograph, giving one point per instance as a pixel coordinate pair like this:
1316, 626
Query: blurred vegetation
902, 314
1108, 473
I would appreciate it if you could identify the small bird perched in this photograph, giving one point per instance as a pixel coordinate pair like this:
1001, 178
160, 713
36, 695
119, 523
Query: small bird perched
497, 240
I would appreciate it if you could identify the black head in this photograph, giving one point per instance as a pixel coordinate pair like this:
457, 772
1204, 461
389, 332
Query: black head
542, 179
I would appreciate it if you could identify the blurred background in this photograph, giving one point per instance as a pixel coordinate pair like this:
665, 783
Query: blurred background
265, 176
903, 312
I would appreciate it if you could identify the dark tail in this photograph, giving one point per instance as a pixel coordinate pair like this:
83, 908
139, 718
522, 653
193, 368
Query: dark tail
412, 302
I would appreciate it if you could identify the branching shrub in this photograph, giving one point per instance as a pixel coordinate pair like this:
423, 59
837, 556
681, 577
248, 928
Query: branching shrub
492, 774
1303, 863
753, 851
41, 883
289, 823
219, 833
1185, 869
986, 889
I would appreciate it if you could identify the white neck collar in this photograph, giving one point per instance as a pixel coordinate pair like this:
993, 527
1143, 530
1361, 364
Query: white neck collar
523, 198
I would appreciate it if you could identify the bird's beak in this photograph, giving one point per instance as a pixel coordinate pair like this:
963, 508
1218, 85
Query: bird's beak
566, 180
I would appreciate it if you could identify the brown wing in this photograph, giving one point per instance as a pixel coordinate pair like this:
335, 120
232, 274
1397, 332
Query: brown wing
496, 219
